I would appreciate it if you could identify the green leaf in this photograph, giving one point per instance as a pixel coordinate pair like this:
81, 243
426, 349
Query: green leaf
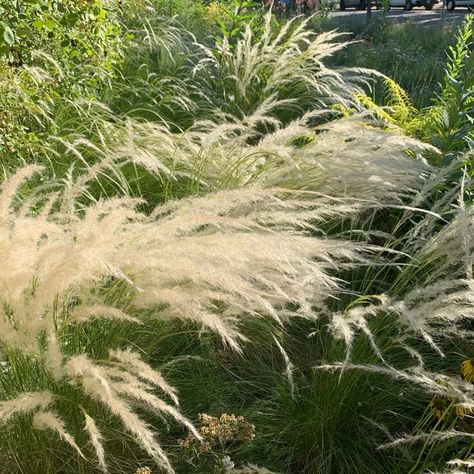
102, 14
8, 35
22, 32
50, 24
38, 23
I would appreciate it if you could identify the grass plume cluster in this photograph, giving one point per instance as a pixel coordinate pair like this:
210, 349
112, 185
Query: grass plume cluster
231, 211
214, 260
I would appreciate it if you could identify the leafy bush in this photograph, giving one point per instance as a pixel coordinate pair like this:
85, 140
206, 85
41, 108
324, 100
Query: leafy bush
82, 30
51, 49
449, 119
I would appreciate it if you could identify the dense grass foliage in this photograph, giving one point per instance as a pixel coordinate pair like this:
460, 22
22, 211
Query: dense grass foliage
412, 54
233, 242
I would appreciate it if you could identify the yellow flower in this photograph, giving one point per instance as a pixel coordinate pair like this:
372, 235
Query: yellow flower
467, 370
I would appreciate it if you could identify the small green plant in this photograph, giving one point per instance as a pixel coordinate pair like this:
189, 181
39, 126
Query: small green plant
451, 115
240, 14
398, 109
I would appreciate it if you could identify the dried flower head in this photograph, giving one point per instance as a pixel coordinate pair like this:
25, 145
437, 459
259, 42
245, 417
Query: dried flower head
143, 470
467, 370
439, 406
219, 433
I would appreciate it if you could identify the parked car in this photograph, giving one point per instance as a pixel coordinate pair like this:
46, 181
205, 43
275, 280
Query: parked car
357, 4
409, 4
452, 4
405, 4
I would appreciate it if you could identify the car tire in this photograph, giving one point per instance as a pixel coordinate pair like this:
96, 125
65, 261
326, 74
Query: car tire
450, 5
408, 5
428, 5
362, 5
342, 5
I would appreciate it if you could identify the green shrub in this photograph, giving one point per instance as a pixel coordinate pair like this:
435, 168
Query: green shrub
84, 31
49, 50
198, 16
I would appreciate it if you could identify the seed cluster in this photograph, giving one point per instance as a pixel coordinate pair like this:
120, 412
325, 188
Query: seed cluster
218, 433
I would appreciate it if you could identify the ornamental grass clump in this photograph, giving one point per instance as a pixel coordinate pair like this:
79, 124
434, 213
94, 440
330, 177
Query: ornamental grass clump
282, 66
74, 272
431, 302
282, 200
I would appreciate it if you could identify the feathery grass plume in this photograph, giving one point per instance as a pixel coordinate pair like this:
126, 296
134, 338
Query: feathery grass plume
449, 253
346, 158
24, 403
133, 362
155, 81
452, 388
177, 80
105, 385
96, 438
215, 259
431, 297
351, 158
289, 367
443, 435
223, 147
284, 64
47, 420
438, 310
